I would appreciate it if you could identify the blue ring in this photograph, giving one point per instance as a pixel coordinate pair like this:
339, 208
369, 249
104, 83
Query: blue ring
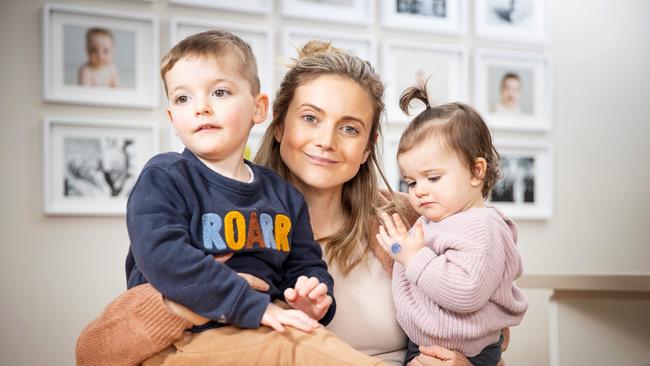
395, 248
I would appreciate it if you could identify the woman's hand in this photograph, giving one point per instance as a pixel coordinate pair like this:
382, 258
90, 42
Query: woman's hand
437, 355
277, 317
310, 296
397, 242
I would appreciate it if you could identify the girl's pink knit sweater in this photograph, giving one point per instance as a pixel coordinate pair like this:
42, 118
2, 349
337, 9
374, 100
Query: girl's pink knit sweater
458, 292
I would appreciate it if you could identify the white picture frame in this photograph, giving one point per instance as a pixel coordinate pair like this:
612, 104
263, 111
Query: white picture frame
448, 17
519, 21
245, 6
90, 166
446, 66
389, 144
364, 47
513, 89
259, 38
359, 12
525, 190
74, 74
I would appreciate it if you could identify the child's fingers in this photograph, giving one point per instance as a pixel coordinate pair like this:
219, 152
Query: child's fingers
274, 323
386, 240
419, 232
399, 225
298, 320
388, 224
325, 303
317, 292
290, 295
307, 286
299, 283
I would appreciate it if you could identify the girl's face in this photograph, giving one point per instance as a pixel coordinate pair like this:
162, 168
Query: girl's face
440, 184
325, 134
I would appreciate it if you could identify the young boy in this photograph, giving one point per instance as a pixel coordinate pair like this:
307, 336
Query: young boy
187, 208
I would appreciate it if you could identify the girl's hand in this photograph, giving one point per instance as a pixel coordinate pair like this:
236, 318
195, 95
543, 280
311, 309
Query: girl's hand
276, 318
310, 296
395, 238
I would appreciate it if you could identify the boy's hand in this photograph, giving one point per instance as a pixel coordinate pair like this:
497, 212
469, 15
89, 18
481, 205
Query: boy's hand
395, 238
310, 296
276, 318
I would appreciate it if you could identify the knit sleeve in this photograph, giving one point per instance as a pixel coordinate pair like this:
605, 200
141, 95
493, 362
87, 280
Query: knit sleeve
465, 275
132, 328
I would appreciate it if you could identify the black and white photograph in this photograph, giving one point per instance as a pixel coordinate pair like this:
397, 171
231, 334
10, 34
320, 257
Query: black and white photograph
444, 68
512, 20
91, 166
432, 16
259, 38
247, 6
102, 57
524, 189
512, 89
359, 12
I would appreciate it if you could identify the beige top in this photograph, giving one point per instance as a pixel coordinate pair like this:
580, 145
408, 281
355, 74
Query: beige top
365, 314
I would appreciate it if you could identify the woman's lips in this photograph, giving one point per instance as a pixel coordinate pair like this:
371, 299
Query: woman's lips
320, 160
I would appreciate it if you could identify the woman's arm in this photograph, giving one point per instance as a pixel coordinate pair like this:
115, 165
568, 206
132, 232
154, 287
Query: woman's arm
133, 327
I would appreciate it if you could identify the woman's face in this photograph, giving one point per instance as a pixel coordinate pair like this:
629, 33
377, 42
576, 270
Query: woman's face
325, 134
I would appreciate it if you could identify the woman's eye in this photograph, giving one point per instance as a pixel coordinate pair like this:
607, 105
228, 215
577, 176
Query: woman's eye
349, 130
220, 93
182, 99
309, 118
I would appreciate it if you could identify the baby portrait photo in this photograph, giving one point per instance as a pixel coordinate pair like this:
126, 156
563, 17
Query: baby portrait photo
511, 20
512, 89
99, 57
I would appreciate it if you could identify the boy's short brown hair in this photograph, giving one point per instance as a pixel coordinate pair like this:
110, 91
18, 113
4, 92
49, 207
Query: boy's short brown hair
215, 43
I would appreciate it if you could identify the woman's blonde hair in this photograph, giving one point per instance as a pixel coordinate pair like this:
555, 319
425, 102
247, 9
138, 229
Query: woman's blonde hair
360, 197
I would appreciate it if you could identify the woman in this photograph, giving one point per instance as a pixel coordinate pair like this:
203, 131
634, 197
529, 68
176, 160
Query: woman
323, 139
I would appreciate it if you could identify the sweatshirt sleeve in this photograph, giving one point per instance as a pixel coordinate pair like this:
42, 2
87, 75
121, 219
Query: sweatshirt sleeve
158, 225
463, 278
306, 259
132, 328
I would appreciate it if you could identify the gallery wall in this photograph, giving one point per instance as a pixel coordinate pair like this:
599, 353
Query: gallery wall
57, 272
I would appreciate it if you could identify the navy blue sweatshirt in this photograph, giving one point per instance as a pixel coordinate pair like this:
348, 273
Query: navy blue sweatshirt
181, 213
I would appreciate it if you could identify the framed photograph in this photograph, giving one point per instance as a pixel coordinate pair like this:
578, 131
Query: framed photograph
513, 89
259, 38
246, 6
90, 167
389, 144
512, 20
408, 64
525, 190
433, 16
364, 47
99, 56
340, 11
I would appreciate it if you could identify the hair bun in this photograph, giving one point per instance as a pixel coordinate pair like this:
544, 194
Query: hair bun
315, 47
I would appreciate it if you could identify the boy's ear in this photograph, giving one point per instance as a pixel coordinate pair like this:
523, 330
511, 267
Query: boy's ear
479, 168
261, 108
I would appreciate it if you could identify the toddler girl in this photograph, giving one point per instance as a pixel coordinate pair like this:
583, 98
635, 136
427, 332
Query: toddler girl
454, 272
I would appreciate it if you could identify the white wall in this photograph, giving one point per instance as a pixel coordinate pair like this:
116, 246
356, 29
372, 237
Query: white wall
57, 273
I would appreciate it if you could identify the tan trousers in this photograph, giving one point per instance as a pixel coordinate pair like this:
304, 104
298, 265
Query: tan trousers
263, 346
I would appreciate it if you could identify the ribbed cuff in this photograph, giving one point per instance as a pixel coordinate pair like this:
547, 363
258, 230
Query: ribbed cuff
154, 317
